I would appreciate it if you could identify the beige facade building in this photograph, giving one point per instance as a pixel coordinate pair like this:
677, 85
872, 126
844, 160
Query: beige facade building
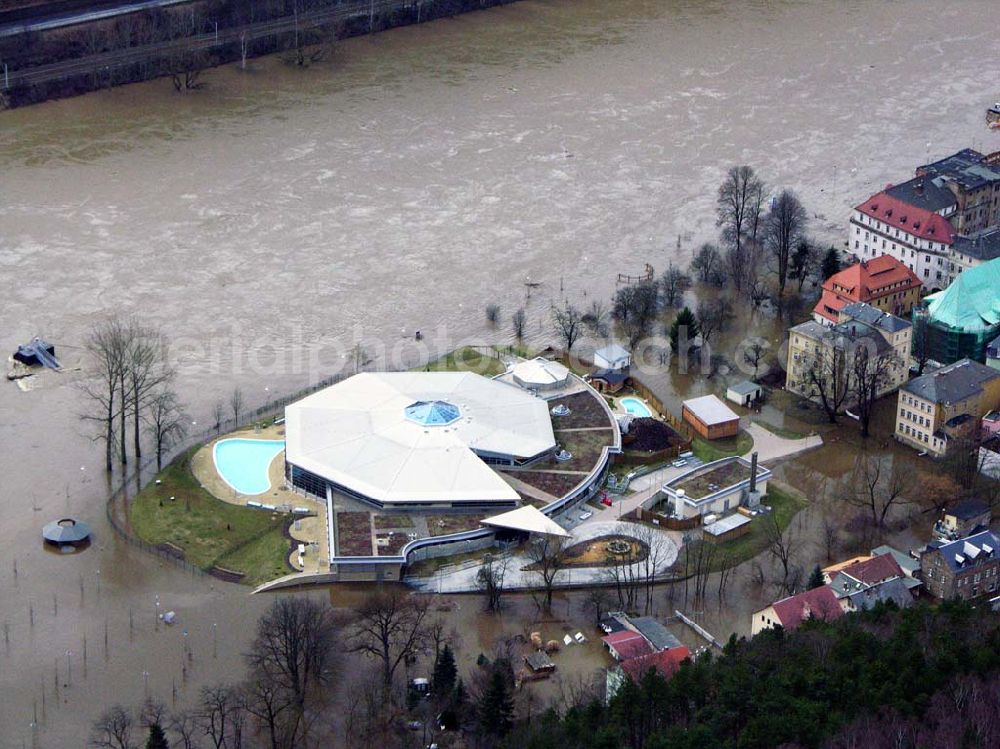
945, 404
858, 324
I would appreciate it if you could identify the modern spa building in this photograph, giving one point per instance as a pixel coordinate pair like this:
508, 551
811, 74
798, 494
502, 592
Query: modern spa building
416, 440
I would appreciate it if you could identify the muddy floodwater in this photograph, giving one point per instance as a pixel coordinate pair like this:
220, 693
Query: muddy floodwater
278, 216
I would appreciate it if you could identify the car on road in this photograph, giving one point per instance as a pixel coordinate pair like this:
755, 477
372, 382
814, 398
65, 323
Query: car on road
586, 514
679, 463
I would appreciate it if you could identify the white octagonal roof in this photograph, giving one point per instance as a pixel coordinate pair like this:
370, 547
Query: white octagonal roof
414, 436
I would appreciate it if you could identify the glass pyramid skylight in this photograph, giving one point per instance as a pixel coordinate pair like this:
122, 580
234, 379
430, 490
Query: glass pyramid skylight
432, 413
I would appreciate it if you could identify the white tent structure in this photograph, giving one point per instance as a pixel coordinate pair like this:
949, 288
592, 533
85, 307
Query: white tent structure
415, 438
540, 374
529, 520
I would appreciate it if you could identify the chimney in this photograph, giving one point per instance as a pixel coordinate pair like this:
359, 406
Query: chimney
753, 472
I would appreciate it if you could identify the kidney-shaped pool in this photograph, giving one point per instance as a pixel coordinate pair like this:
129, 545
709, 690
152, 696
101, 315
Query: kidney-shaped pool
244, 463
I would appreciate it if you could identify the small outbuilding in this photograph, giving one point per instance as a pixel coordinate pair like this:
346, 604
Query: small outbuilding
539, 662
710, 417
540, 374
614, 357
728, 528
744, 393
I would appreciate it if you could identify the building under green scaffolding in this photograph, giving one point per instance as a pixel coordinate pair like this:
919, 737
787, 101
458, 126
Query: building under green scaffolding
960, 321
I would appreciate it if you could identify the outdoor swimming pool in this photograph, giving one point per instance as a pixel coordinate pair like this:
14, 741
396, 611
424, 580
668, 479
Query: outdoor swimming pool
635, 407
243, 463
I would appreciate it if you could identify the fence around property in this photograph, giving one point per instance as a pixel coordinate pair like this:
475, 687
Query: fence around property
138, 476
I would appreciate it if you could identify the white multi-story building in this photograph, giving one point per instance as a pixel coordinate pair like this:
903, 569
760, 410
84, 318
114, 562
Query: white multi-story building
939, 223
916, 237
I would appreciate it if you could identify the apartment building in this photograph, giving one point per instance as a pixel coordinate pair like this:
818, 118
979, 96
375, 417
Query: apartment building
882, 282
946, 404
939, 223
966, 568
857, 323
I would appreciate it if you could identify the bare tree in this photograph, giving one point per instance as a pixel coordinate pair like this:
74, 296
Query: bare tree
782, 546
674, 283
493, 313
113, 730
708, 266
635, 307
876, 486
102, 388
491, 579
738, 208
921, 341
390, 626
236, 405
294, 650
359, 357
220, 715
165, 422
597, 600
518, 322
595, 318
219, 414
151, 712
802, 262
871, 375
547, 554
654, 563
785, 224
146, 371
754, 353
827, 375
568, 323
184, 726
713, 316
274, 710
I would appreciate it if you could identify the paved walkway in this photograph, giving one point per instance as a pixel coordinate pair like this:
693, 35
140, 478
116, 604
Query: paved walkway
770, 447
462, 579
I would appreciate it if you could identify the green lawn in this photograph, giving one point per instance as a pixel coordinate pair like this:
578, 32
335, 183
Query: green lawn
262, 559
709, 450
208, 530
466, 359
788, 434
784, 503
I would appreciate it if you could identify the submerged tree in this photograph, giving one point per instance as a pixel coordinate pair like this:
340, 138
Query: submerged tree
674, 283
568, 322
548, 557
785, 225
708, 266
518, 323
391, 627
739, 206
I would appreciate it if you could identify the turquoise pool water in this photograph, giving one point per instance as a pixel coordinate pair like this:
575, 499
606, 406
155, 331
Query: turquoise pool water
635, 407
243, 463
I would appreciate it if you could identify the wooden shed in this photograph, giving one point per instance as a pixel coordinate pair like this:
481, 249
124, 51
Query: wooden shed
710, 417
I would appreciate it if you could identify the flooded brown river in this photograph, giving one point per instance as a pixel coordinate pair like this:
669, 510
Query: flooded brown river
274, 218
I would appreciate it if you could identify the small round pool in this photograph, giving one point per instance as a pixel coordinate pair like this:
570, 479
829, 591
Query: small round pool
244, 464
635, 407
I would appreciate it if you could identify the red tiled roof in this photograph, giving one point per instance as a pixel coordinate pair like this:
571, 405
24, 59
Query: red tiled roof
875, 570
905, 217
627, 644
865, 281
666, 662
820, 603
